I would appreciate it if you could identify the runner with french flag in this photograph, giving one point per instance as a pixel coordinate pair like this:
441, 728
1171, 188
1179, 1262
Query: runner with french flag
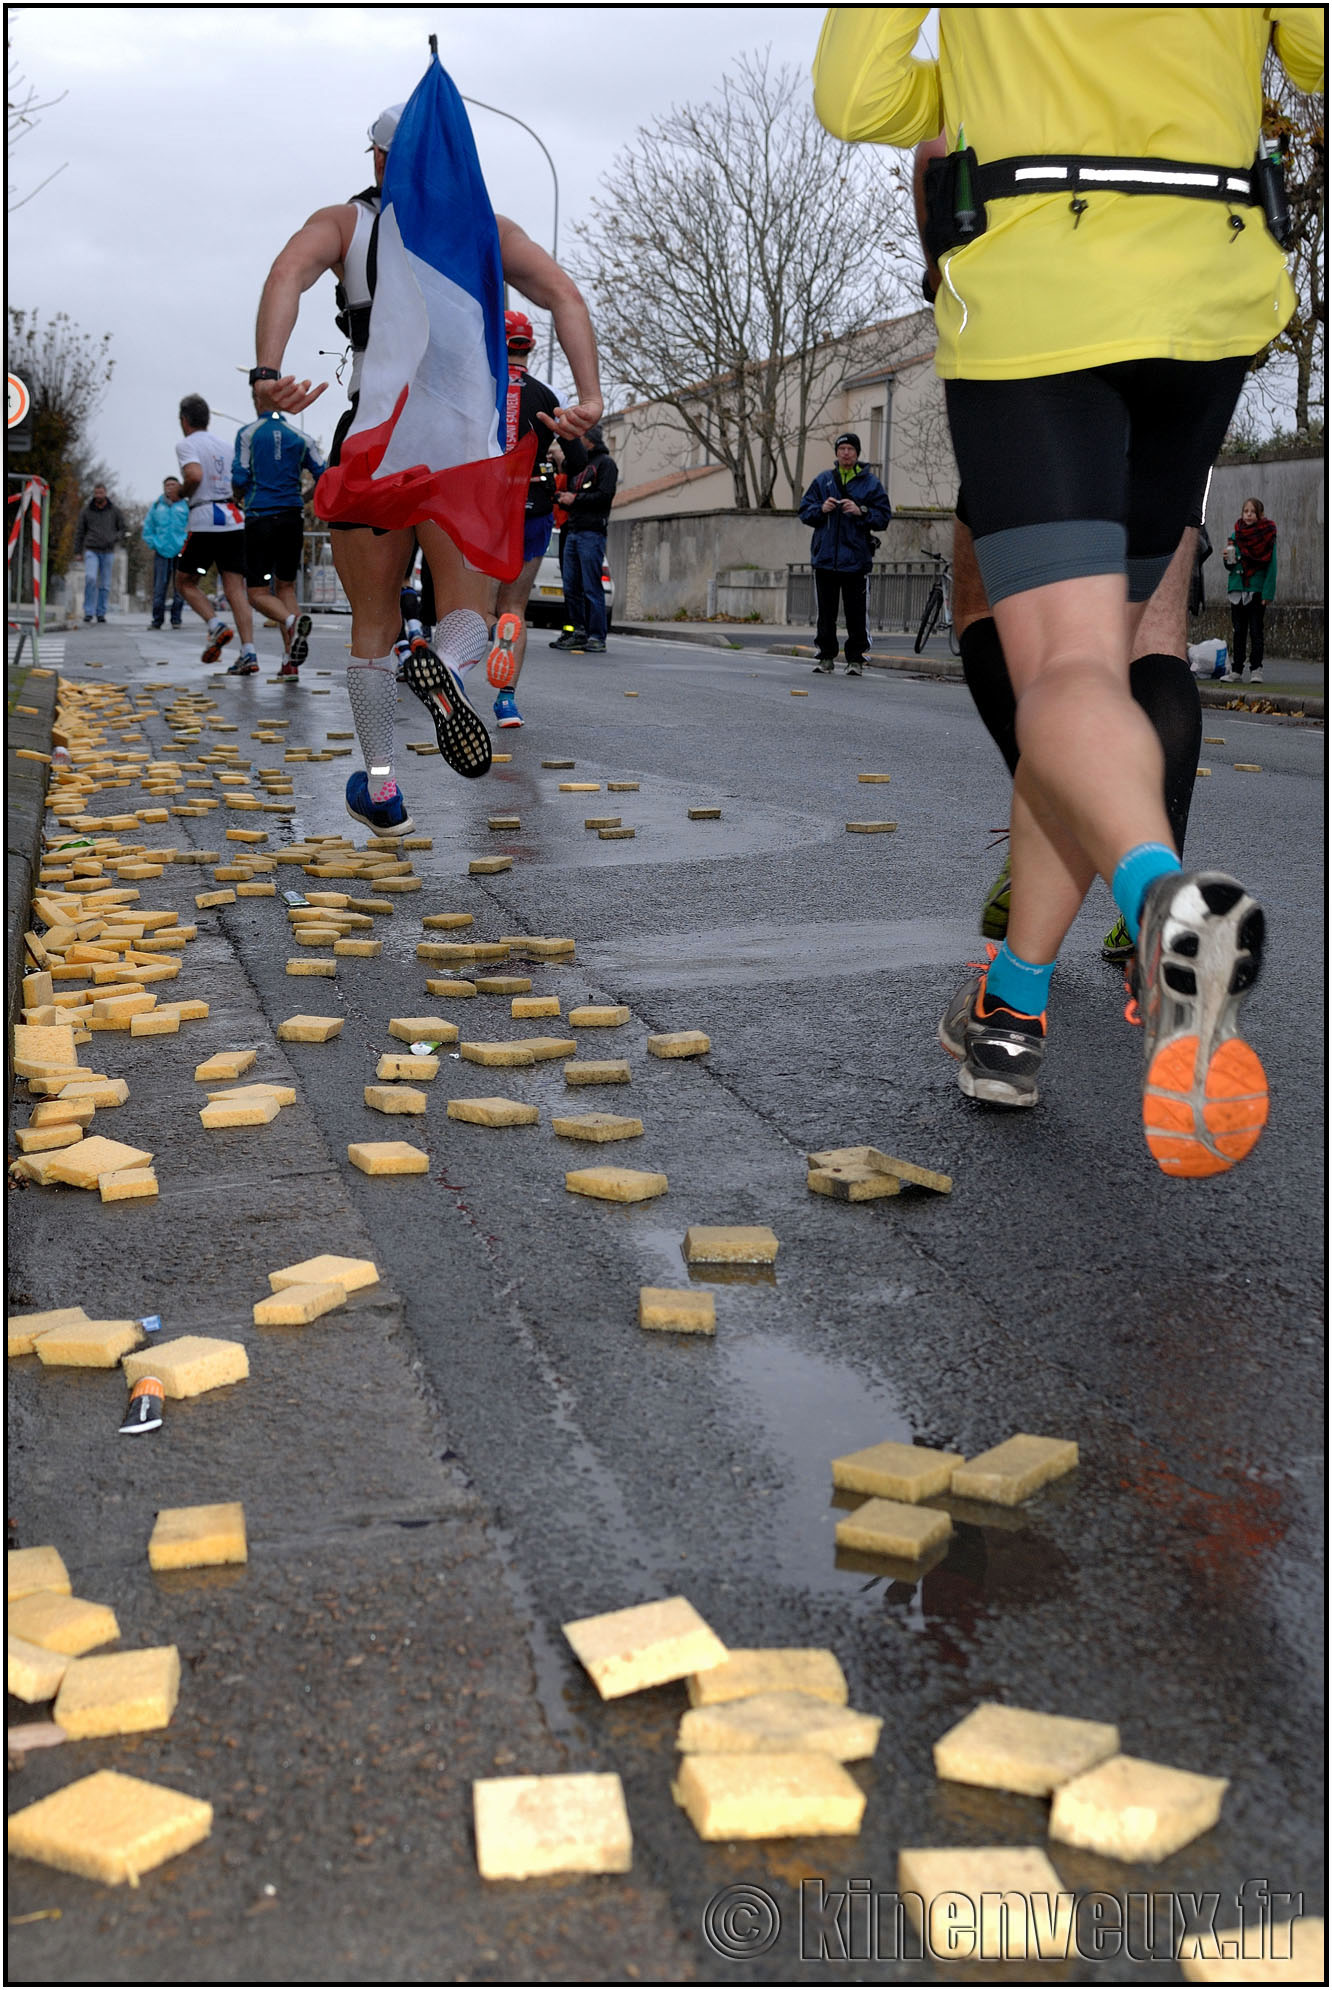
427, 444
420, 456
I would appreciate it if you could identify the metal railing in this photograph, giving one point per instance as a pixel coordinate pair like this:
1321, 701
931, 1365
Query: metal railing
895, 597
317, 585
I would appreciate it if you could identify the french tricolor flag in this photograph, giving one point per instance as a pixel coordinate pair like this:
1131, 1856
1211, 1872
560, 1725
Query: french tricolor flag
427, 443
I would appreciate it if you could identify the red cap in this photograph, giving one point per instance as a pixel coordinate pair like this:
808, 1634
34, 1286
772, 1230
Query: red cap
518, 329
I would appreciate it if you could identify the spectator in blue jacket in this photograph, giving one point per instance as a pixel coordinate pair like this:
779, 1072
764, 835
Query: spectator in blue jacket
845, 505
266, 479
166, 529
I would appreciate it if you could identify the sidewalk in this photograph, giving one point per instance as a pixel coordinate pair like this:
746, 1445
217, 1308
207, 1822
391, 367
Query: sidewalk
1291, 685
340, 1692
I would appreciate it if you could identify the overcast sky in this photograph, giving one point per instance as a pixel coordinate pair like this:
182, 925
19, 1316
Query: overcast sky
195, 140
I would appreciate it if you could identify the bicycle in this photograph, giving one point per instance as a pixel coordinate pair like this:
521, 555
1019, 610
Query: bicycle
939, 604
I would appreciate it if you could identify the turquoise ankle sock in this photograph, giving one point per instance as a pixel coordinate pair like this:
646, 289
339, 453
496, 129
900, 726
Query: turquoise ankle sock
1022, 985
1135, 873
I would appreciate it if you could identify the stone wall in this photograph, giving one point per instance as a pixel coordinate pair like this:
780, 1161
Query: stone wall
730, 562
1290, 628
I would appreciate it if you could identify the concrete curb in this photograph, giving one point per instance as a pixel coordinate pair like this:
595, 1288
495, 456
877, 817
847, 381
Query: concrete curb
666, 634
1284, 704
25, 812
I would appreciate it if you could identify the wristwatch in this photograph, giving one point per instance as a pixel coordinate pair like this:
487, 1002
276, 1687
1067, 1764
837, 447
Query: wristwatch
263, 373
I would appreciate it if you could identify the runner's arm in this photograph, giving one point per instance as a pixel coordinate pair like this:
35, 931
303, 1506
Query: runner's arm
312, 251
542, 281
867, 83
1298, 35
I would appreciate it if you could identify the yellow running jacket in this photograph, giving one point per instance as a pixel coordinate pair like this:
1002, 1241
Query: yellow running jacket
1141, 275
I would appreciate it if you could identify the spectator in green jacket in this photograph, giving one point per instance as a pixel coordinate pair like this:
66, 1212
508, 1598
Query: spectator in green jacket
1252, 561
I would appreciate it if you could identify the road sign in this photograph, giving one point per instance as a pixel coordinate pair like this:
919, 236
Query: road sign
20, 400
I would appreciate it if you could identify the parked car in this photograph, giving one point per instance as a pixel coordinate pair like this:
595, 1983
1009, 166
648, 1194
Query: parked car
545, 609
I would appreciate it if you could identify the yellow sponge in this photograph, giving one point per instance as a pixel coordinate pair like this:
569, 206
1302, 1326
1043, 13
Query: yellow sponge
91, 1344
82, 1166
120, 1692
196, 1537
109, 1827
63, 1623
352, 1274
29, 1571
23, 1330
296, 1305
191, 1365
32, 1674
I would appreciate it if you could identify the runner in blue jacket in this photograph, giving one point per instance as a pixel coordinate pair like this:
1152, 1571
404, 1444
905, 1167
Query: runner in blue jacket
845, 505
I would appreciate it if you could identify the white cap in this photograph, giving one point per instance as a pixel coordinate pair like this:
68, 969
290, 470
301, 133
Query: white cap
385, 125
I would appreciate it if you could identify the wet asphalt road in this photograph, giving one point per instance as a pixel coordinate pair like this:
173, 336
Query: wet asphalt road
490, 1446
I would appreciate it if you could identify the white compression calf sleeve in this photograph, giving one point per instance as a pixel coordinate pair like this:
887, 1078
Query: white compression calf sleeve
373, 688
461, 638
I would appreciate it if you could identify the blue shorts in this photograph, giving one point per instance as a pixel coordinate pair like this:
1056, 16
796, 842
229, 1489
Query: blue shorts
536, 537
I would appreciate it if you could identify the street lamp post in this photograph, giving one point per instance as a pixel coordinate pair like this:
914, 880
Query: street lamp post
555, 225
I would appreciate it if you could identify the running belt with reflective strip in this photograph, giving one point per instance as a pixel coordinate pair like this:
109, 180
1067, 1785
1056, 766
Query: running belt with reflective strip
1081, 173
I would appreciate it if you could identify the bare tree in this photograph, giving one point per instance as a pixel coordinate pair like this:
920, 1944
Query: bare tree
734, 243
1289, 377
22, 112
67, 372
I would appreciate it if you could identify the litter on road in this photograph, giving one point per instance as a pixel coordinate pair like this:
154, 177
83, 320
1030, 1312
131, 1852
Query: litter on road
688, 1310
529, 1827
769, 1796
648, 1644
190, 1365
195, 1537
1126, 1808
1014, 1470
1010, 1748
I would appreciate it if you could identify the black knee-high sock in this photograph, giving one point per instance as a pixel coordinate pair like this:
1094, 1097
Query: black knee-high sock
1163, 685
1167, 690
986, 673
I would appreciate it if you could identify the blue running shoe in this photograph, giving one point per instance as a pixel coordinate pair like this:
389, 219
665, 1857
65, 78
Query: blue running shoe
507, 713
387, 817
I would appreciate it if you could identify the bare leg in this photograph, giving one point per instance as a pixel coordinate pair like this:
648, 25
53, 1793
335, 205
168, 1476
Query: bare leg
512, 599
371, 570
276, 604
970, 603
233, 586
1091, 768
189, 588
1164, 628
456, 584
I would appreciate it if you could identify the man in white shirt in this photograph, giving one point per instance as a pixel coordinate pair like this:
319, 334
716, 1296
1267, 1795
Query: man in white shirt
216, 538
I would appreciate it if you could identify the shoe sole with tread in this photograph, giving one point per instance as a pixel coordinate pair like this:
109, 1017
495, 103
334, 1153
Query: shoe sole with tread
216, 645
300, 641
463, 740
1205, 1095
501, 664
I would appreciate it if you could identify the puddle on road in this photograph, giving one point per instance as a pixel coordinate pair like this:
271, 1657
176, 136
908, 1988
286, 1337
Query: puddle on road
764, 951
811, 1410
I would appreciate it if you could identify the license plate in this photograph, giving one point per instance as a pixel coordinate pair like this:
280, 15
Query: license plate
550, 590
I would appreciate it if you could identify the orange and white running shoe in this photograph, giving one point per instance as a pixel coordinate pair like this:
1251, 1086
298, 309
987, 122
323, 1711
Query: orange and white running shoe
217, 642
501, 665
1204, 1091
